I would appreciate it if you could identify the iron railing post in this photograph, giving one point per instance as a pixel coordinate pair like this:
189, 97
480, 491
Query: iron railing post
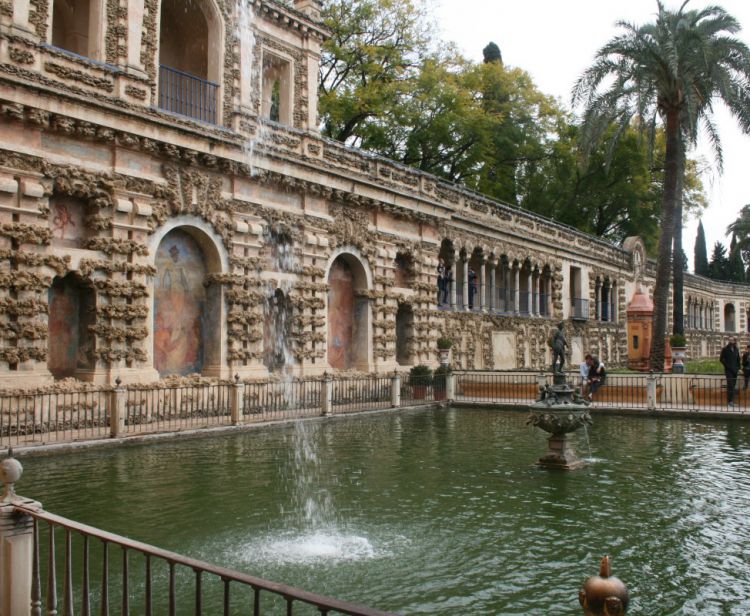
16, 545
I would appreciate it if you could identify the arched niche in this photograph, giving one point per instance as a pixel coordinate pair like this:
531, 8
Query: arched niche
78, 26
405, 335
729, 318
277, 331
349, 313
70, 343
188, 313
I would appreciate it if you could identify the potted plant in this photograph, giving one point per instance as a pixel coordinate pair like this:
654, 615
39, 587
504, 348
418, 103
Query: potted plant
679, 346
440, 382
420, 378
444, 349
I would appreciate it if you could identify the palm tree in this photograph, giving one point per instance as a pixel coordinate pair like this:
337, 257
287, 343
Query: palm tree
671, 71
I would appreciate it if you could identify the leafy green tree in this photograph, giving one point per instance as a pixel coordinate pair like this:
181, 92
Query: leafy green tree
669, 71
718, 268
375, 49
700, 252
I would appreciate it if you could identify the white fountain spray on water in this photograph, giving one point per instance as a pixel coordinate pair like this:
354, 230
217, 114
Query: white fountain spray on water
313, 530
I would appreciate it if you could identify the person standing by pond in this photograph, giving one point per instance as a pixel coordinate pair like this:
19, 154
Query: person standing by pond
746, 365
730, 359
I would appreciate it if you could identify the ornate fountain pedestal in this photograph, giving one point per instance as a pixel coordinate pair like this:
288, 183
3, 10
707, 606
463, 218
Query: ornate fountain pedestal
559, 410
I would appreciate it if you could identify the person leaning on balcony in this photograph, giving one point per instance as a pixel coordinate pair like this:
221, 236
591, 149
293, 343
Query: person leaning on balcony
730, 359
746, 365
597, 374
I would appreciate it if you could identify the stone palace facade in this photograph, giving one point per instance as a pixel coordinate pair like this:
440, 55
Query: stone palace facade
168, 206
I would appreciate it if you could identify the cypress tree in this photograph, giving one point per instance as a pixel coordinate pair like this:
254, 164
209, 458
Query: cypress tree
718, 269
700, 252
492, 53
736, 266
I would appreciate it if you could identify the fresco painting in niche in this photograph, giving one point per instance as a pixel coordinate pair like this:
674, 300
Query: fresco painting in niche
67, 221
179, 305
340, 314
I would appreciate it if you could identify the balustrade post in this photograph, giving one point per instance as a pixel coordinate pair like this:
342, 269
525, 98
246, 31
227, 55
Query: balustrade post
326, 395
396, 390
117, 409
450, 387
16, 544
236, 400
651, 391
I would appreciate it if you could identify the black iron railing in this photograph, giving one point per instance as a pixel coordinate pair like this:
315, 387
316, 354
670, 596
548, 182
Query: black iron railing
187, 95
579, 308
142, 578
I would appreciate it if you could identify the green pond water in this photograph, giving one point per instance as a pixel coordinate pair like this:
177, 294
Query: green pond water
435, 512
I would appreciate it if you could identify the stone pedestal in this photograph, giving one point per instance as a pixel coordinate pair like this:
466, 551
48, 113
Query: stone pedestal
559, 454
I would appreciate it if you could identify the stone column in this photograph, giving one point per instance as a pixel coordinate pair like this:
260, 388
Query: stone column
450, 387
480, 286
396, 390
117, 409
21, 23
16, 543
236, 400
465, 284
326, 394
537, 293
135, 33
492, 288
453, 283
529, 292
516, 288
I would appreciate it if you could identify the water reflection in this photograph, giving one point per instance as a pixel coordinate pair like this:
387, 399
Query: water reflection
438, 512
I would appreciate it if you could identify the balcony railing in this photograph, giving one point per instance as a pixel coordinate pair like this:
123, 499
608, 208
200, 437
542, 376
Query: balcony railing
579, 308
187, 95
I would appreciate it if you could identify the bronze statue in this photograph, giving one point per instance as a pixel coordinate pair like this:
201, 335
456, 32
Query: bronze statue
558, 348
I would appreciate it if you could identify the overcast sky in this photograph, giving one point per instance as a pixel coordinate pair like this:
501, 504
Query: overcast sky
555, 40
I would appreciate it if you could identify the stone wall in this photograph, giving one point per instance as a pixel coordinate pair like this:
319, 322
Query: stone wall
85, 146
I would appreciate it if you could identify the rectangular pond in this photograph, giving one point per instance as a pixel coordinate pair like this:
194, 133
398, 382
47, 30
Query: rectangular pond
438, 512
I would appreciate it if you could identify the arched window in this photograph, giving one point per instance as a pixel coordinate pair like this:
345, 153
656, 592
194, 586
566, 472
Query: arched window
349, 339
70, 344
405, 335
77, 26
191, 45
186, 311
447, 268
278, 92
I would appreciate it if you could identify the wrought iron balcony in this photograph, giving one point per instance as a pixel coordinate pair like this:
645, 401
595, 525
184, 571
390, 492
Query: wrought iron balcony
187, 95
579, 308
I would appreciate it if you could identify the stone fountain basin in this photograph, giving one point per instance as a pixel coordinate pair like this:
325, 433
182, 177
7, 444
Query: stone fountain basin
560, 419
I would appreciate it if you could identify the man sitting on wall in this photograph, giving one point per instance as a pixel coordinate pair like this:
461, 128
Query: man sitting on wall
597, 374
